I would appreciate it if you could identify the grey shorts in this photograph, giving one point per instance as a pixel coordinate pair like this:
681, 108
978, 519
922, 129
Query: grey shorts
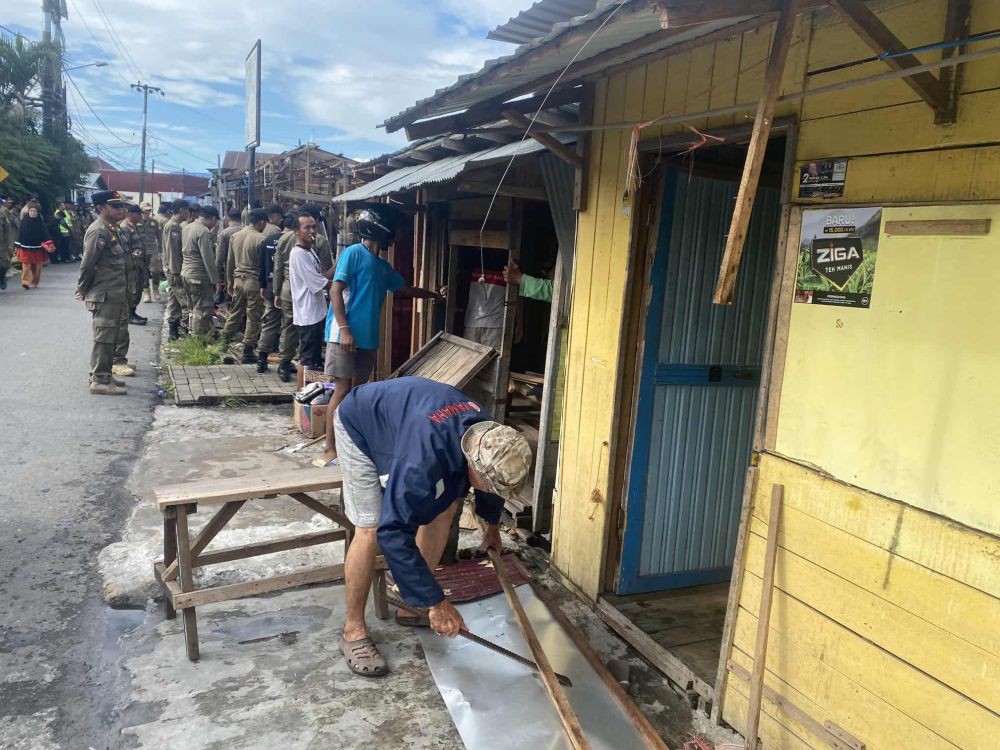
356, 365
362, 488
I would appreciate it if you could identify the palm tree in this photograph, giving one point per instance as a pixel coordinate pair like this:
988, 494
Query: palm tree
20, 71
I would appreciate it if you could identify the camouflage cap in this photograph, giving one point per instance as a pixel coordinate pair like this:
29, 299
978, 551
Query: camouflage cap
500, 455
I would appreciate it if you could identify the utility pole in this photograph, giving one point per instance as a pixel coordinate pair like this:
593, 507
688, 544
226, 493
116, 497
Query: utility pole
145, 88
52, 70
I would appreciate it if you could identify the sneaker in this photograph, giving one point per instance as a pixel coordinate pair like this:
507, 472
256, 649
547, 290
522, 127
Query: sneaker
146, 295
107, 389
125, 370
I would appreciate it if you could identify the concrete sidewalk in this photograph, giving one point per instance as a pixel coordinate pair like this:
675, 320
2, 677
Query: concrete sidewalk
271, 674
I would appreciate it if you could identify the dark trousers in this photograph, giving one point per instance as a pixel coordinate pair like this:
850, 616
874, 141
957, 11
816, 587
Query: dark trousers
311, 345
64, 247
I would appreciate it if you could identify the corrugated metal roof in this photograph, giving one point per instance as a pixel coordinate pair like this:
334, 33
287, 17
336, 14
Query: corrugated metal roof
539, 19
630, 24
439, 171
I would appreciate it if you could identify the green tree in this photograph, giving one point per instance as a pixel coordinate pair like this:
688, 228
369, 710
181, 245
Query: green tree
20, 71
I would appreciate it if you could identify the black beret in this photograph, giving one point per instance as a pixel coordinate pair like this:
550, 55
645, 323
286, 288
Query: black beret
291, 220
234, 213
134, 209
165, 207
195, 208
258, 215
274, 208
209, 211
102, 197
179, 204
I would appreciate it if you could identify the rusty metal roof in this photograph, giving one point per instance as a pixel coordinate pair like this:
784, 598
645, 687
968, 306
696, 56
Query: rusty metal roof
539, 19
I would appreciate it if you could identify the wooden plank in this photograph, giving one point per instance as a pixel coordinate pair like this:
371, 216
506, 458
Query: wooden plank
878, 36
676, 14
494, 239
764, 618
649, 735
187, 583
169, 553
569, 719
740, 224
841, 741
735, 589
942, 227
215, 524
507, 190
334, 514
551, 143
188, 600
227, 554
652, 651
215, 491
449, 359
515, 230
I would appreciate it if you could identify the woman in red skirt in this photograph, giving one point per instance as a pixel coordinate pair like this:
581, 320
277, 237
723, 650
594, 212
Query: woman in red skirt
33, 243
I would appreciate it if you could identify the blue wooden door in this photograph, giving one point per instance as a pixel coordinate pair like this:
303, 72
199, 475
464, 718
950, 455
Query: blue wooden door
698, 389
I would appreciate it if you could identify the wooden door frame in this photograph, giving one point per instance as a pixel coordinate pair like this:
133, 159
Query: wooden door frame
632, 342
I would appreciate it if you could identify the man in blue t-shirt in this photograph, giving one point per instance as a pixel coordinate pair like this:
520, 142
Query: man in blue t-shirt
354, 317
410, 448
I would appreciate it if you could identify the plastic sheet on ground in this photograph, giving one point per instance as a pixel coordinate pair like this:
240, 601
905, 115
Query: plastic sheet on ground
497, 703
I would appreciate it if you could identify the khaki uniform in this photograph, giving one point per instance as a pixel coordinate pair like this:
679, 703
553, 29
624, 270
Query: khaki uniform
8, 233
283, 287
104, 287
151, 235
135, 253
200, 274
243, 267
270, 321
270, 229
178, 304
222, 252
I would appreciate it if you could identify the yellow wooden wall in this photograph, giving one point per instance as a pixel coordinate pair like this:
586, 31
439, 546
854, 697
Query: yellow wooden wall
885, 615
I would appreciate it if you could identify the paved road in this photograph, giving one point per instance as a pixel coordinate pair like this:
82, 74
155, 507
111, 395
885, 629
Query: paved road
65, 458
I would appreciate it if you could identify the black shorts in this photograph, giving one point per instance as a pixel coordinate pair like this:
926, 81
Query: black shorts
311, 345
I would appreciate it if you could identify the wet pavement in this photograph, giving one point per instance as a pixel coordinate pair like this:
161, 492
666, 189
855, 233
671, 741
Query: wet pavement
66, 457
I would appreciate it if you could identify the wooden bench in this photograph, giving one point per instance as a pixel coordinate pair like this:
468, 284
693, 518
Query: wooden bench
182, 554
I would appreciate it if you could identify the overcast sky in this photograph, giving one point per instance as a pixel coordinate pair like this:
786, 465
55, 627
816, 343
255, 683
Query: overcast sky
332, 71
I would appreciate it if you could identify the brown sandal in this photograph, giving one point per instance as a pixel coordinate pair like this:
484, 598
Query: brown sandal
363, 658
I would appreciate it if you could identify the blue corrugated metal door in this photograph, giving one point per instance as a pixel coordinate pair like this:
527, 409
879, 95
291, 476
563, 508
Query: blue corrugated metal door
698, 388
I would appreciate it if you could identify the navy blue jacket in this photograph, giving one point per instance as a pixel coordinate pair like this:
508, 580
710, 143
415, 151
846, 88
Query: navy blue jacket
411, 429
265, 263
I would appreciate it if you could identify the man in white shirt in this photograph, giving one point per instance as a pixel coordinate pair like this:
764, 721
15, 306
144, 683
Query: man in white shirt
309, 286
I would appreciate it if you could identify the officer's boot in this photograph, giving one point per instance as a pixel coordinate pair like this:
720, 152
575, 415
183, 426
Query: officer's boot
134, 318
285, 372
249, 357
174, 330
154, 289
262, 362
147, 295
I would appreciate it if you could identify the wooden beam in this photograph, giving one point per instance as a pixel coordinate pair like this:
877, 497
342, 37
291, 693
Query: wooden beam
422, 155
568, 718
550, 142
456, 143
675, 14
764, 617
755, 154
491, 238
877, 35
581, 179
956, 26
487, 112
509, 191
217, 522
939, 227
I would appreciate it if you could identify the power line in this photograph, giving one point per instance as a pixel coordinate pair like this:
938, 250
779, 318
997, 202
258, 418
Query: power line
97, 42
117, 40
182, 150
73, 83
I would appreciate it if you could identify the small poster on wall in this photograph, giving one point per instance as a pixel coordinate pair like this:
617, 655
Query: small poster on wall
837, 253
823, 179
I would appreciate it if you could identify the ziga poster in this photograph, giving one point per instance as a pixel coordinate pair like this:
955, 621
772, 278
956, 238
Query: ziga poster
837, 254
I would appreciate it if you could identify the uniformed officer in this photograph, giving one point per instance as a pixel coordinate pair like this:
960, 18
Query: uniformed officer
233, 225
150, 232
178, 305
104, 287
199, 269
270, 321
132, 242
275, 215
7, 236
242, 266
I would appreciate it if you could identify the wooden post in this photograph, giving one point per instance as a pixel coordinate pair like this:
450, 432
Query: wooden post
764, 618
755, 154
515, 226
187, 579
569, 719
381, 603
169, 553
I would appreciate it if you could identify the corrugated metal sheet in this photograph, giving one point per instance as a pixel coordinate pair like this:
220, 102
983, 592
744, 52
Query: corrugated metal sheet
539, 19
627, 26
702, 434
408, 178
560, 185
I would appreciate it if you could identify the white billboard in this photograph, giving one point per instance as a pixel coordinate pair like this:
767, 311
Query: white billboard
252, 114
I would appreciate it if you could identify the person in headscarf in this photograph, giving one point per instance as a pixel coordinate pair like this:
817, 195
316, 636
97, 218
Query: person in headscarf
33, 243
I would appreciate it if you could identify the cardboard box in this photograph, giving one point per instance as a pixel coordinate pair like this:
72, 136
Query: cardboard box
310, 419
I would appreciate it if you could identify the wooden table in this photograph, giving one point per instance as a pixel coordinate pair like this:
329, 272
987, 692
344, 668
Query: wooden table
182, 554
